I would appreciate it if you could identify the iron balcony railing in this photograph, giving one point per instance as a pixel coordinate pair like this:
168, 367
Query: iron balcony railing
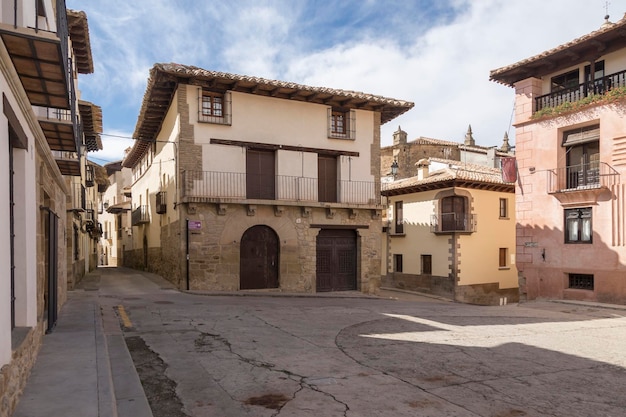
235, 185
572, 94
161, 202
452, 222
89, 176
140, 215
582, 176
77, 199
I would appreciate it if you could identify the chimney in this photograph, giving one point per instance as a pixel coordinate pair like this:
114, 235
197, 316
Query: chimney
422, 168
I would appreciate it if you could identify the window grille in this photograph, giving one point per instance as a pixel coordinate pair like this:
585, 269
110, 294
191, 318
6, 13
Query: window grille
214, 107
341, 124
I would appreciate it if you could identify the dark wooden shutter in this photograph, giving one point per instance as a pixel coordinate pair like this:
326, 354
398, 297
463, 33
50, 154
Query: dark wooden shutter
327, 178
260, 174
453, 213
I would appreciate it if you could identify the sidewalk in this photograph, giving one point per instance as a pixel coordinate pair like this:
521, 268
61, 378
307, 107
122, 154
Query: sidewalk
84, 368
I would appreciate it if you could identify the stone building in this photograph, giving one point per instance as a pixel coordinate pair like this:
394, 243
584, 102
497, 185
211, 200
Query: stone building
115, 219
247, 183
571, 142
43, 47
407, 153
451, 232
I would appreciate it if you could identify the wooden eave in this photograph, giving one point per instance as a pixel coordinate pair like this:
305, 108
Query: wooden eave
165, 78
69, 166
59, 134
91, 117
588, 48
39, 63
451, 183
79, 34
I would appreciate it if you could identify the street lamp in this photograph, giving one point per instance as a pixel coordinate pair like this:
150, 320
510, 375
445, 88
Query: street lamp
394, 169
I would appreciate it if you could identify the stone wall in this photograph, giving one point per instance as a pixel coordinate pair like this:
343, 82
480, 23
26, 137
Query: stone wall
14, 375
486, 294
215, 248
430, 284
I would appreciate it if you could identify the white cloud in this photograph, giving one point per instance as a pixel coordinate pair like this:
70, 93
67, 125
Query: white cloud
436, 54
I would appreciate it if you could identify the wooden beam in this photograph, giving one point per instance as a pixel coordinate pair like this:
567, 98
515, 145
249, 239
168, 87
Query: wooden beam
269, 146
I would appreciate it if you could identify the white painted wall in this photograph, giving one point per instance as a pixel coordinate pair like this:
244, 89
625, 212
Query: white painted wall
25, 220
281, 122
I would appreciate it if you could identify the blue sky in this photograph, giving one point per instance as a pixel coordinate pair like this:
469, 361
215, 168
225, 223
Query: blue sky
436, 53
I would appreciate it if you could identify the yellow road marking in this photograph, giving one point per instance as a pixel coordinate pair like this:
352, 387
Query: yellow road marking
125, 320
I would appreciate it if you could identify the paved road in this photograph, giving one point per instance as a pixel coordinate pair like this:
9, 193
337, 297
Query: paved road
270, 355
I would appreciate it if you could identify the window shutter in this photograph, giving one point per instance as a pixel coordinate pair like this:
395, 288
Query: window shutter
583, 135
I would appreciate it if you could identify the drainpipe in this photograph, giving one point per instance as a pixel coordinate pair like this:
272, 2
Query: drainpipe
187, 251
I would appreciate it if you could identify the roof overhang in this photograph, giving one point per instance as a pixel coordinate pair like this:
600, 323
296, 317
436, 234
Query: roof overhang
81, 45
40, 65
609, 38
59, 133
165, 78
68, 163
449, 183
91, 116
119, 207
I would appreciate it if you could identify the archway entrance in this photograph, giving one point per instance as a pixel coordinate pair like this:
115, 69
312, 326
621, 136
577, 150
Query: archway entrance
258, 262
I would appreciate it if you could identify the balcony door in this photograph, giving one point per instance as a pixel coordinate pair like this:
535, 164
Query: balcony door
327, 178
260, 174
583, 157
453, 214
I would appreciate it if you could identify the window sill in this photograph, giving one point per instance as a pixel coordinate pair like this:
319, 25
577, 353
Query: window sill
504, 268
397, 234
340, 137
504, 218
18, 336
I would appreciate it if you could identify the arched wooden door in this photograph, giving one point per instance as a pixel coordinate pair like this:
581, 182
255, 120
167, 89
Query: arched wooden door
258, 262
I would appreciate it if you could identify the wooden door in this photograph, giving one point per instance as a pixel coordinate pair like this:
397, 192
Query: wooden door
336, 260
258, 261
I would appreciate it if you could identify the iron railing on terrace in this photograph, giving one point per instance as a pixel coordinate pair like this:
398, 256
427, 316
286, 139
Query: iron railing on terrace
240, 186
451, 222
582, 177
140, 215
572, 94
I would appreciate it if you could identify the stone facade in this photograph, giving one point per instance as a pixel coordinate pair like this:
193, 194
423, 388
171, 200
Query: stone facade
14, 375
214, 249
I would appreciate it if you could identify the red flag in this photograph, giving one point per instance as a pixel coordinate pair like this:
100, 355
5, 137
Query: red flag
509, 170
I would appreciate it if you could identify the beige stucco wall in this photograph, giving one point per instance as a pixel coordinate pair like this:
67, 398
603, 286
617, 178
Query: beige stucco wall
160, 175
417, 239
477, 253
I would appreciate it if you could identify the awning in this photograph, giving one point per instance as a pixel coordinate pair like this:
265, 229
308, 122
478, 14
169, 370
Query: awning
582, 135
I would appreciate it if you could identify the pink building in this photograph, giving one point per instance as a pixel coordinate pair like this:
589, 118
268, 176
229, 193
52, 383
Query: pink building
570, 125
